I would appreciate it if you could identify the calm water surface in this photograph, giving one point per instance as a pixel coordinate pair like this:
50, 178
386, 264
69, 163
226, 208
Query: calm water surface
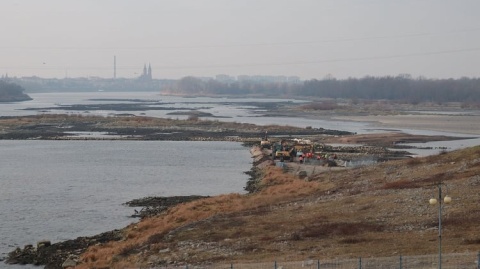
60, 190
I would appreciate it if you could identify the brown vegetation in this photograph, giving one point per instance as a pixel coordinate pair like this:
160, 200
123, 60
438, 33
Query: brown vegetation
385, 139
57, 126
380, 210
323, 105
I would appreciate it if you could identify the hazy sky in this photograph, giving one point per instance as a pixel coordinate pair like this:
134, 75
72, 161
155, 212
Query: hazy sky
305, 38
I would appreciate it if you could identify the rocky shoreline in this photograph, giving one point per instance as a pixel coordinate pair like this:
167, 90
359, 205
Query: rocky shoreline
151, 206
66, 254
61, 254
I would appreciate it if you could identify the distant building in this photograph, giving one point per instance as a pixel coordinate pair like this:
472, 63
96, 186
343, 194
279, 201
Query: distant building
146, 74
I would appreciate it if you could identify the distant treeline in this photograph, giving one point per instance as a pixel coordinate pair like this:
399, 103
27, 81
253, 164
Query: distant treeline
10, 92
395, 88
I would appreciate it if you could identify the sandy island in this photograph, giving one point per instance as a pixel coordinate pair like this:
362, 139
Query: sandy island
459, 124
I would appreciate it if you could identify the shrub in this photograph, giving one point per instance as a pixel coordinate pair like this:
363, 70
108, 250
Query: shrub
475, 241
325, 105
413, 161
90, 257
129, 249
156, 238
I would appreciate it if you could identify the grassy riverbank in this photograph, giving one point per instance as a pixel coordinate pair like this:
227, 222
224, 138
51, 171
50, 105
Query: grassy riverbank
375, 211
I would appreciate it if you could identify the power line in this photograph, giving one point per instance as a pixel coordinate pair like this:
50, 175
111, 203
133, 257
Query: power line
371, 58
338, 40
351, 59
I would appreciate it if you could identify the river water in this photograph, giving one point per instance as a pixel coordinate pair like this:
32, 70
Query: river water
222, 109
59, 190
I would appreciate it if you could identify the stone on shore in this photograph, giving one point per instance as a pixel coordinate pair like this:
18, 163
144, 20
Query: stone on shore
71, 261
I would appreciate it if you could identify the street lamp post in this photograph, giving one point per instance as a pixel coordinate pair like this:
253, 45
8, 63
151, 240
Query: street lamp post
446, 200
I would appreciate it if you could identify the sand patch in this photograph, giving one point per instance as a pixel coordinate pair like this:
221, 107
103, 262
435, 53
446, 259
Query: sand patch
462, 124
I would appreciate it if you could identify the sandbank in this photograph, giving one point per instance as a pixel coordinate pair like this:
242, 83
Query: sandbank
461, 124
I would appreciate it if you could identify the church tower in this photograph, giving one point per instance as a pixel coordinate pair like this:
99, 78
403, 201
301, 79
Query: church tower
144, 74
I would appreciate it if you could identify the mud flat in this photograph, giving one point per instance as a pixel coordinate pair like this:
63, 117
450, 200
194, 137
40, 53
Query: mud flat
458, 123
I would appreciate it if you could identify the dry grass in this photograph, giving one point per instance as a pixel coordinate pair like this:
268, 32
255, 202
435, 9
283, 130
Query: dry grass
368, 211
8, 123
323, 105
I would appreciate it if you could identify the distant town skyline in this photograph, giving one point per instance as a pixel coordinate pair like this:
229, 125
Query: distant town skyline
303, 38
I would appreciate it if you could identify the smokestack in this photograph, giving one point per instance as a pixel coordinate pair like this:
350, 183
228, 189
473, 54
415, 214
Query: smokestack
114, 67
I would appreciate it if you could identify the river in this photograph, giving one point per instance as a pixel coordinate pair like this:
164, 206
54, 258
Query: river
60, 190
